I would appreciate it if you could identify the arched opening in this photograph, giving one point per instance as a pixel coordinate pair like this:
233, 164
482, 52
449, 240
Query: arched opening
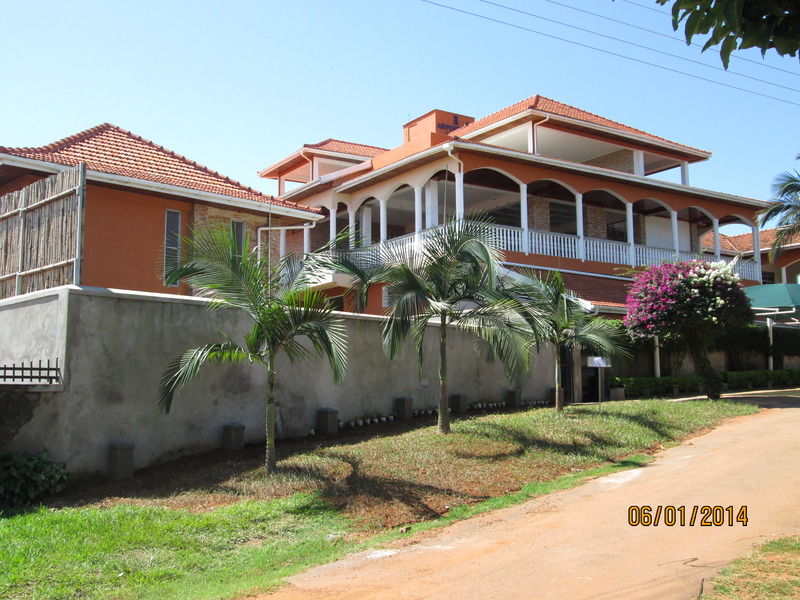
400, 212
739, 238
368, 225
652, 224
493, 194
341, 222
604, 216
551, 207
439, 199
693, 222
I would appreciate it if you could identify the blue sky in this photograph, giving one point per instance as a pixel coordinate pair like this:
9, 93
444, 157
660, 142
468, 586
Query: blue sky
238, 85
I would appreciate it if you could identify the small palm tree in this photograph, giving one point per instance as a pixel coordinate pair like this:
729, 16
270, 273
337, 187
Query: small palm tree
283, 309
449, 278
567, 323
786, 190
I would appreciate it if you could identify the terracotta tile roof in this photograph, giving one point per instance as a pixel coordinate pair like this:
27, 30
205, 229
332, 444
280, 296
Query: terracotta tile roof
727, 243
744, 241
111, 149
332, 145
547, 105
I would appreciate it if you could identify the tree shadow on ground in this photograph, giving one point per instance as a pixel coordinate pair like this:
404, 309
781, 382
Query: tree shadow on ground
595, 446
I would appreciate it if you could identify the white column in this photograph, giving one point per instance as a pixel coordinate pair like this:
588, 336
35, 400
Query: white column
532, 139
676, 246
417, 209
431, 204
656, 356
579, 226
523, 216
638, 163
784, 275
306, 240
282, 243
715, 225
459, 195
351, 226
332, 224
629, 226
757, 252
383, 219
281, 186
366, 225
685, 173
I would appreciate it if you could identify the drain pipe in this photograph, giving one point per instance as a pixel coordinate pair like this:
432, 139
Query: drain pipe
281, 228
459, 179
535, 137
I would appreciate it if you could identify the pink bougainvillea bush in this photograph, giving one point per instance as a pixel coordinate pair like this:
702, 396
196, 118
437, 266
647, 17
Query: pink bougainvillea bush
690, 301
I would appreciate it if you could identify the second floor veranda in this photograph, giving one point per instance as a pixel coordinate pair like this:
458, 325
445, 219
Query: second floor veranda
574, 220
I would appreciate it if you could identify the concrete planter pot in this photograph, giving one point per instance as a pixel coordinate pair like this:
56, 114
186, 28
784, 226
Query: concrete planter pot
616, 393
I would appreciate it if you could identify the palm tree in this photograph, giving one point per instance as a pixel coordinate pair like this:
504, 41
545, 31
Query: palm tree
283, 308
449, 278
786, 191
567, 324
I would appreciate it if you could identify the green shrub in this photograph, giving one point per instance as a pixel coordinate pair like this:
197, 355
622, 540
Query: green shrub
642, 387
26, 477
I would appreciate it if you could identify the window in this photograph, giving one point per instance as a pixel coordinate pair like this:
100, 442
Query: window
616, 226
172, 241
237, 229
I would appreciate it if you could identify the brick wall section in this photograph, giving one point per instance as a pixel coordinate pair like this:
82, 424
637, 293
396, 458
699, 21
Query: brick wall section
205, 214
639, 236
596, 222
539, 213
621, 160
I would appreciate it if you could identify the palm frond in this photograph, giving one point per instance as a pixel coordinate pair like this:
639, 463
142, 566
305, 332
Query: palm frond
186, 367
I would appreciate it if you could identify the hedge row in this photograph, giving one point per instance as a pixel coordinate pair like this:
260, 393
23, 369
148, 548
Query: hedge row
636, 387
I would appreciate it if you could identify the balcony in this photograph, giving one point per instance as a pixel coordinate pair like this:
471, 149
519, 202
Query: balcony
562, 245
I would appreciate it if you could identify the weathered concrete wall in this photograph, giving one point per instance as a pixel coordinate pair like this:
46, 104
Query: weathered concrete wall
118, 343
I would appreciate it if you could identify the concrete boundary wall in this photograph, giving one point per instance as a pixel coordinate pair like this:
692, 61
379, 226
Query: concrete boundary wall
115, 344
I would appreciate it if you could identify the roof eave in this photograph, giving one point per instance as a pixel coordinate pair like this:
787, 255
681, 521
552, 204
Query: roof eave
143, 184
530, 112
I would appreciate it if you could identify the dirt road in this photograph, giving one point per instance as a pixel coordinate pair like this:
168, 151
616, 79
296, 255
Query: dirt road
578, 544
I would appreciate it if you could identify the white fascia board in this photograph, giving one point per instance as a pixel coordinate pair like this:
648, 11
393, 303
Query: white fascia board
557, 163
342, 189
162, 188
332, 154
626, 177
600, 128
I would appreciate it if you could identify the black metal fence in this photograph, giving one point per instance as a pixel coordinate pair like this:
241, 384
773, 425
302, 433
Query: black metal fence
38, 373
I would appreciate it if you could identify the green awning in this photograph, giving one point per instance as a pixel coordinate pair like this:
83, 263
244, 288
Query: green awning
783, 296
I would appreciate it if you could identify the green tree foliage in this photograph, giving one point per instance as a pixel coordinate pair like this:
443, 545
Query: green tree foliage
287, 316
786, 211
740, 24
561, 319
691, 301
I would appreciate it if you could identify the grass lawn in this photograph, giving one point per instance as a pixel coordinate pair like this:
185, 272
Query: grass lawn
771, 572
214, 527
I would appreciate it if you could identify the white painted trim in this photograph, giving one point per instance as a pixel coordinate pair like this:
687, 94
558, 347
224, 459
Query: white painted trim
557, 163
172, 190
674, 146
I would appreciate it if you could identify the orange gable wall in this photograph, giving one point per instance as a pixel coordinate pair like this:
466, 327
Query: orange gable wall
124, 238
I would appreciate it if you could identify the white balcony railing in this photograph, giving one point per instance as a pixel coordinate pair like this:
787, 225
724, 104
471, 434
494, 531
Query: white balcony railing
607, 251
567, 246
553, 244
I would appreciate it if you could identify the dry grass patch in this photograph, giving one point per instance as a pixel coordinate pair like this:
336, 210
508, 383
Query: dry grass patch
771, 572
401, 473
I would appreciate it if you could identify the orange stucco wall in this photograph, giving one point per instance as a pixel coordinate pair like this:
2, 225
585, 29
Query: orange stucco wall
124, 238
584, 183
